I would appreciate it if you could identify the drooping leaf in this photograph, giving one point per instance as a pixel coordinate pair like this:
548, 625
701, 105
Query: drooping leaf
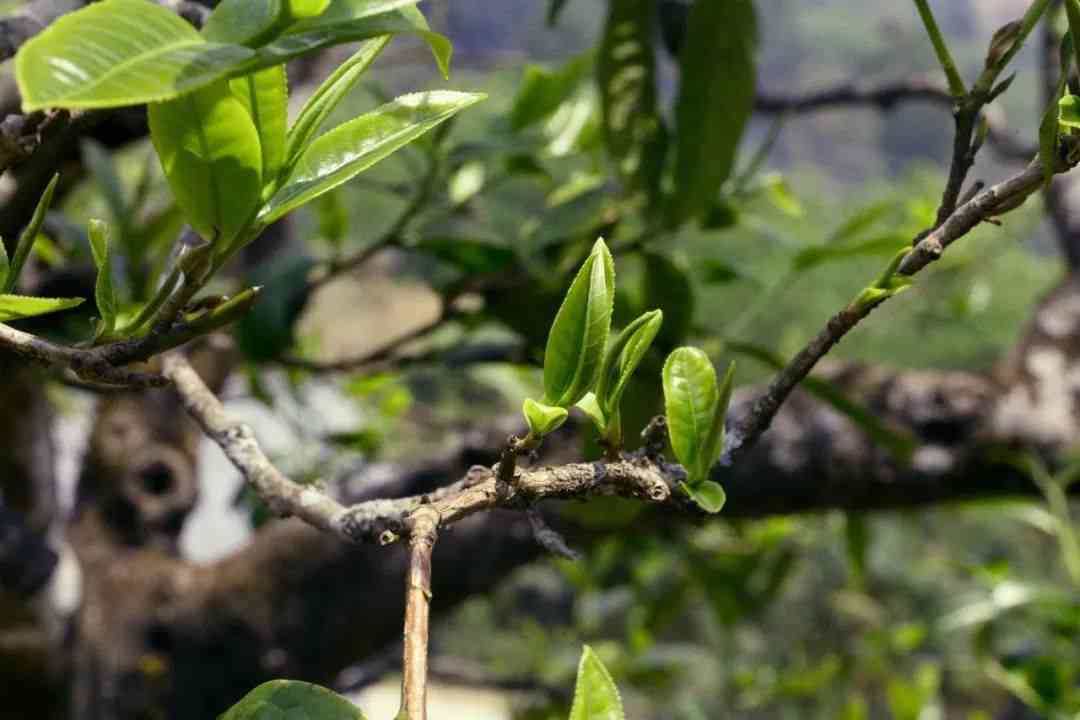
349, 21
210, 152
708, 495
542, 91
716, 96
104, 295
265, 95
28, 235
595, 695
666, 284
118, 52
327, 96
17, 307
354, 146
294, 700
634, 134
690, 398
543, 419
579, 334
623, 357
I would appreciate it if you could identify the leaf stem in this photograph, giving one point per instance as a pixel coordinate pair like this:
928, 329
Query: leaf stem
956, 83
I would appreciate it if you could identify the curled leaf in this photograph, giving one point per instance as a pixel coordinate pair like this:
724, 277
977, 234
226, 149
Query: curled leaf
543, 419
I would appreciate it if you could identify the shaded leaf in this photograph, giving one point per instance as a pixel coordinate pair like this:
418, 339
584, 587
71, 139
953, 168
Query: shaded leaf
281, 699
354, 146
471, 257
28, 235
666, 285
245, 22
579, 334
118, 52
819, 254
595, 694
711, 114
708, 495
17, 307
634, 133
104, 295
265, 95
269, 329
210, 152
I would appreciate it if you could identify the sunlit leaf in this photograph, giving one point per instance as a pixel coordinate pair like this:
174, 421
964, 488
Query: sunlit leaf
210, 152
716, 97
541, 91
17, 307
595, 694
354, 146
280, 699
623, 357
118, 52
579, 334
265, 95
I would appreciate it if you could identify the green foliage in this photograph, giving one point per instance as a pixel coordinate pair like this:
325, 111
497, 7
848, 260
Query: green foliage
118, 52
18, 307
543, 419
104, 295
210, 150
710, 115
595, 694
28, 236
579, 334
696, 408
281, 699
265, 96
542, 91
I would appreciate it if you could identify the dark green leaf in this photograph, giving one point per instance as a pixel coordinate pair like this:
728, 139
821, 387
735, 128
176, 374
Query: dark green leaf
17, 307
718, 272
118, 52
104, 295
595, 694
327, 96
690, 398
716, 97
28, 235
543, 419
542, 91
245, 22
292, 700
634, 132
714, 441
354, 146
623, 357
210, 152
471, 257
265, 95
579, 334
666, 285
708, 495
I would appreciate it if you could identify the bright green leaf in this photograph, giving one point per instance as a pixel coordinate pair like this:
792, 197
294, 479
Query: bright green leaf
623, 357
690, 399
635, 136
595, 694
591, 407
349, 21
1050, 126
716, 97
354, 146
542, 91
543, 419
579, 334
104, 294
307, 8
327, 96
118, 52
265, 95
209, 149
708, 495
1069, 111
28, 235
294, 700
17, 307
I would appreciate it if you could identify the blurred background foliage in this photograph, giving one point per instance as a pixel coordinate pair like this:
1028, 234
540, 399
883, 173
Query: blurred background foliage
954, 612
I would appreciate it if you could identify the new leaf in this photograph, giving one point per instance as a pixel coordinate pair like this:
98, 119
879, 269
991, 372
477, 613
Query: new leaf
595, 695
294, 700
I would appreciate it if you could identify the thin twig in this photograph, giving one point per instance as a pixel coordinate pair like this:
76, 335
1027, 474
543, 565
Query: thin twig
423, 530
